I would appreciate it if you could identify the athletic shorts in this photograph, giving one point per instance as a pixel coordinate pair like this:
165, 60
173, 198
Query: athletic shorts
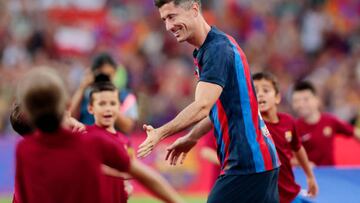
252, 188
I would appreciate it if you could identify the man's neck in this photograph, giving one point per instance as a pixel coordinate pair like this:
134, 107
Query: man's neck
313, 118
200, 33
270, 116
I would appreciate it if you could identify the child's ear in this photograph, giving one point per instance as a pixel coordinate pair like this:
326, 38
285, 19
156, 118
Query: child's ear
90, 109
278, 98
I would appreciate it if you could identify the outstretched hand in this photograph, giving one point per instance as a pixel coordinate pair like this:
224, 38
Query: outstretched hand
74, 125
152, 139
178, 149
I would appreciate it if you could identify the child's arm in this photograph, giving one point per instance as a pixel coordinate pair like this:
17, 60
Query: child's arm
79, 94
114, 156
305, 164
210, 155
357, 127
113, 172
357, 133
154, 182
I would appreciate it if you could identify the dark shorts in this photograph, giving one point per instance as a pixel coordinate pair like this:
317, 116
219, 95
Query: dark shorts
253, 188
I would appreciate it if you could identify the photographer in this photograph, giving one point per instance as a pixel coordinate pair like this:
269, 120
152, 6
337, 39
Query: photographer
104, 64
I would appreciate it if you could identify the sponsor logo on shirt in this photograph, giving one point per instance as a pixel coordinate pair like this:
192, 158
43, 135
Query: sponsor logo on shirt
327, 131
265, 131
288, 136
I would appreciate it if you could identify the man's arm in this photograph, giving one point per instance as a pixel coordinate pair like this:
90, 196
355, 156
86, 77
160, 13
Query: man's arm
154, 182
305, 164
184, 144
206, 95
209, 154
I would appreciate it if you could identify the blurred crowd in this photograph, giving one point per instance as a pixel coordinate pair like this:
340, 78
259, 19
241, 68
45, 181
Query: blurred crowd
317, 40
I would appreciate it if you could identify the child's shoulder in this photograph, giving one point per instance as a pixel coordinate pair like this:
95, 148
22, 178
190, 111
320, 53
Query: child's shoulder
286, 116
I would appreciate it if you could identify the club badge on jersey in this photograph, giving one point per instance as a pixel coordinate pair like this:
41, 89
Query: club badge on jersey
327, 131
288, 136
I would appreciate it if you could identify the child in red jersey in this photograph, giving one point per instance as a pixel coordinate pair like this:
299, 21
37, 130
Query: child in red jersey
316, 129
287, 142
21, 126
104, 106
57, 165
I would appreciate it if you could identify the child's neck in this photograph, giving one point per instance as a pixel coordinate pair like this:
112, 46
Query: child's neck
313, 118
270, 116
110, 129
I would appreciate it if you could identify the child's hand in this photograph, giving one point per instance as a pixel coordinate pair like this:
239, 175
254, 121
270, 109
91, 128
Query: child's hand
129, 189
313, 188
72, 124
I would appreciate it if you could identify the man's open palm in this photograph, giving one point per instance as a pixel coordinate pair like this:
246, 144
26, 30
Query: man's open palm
150, 142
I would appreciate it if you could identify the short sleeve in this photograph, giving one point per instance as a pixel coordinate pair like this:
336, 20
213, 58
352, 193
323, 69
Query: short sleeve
342, 127
295, 139
113, 153
216, 63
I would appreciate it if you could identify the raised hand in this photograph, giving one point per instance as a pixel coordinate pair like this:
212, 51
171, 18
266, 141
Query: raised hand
88, 79
152, 139
72, 124
179, 148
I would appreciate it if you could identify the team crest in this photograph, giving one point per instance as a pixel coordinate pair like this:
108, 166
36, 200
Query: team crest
327, 131
288, 136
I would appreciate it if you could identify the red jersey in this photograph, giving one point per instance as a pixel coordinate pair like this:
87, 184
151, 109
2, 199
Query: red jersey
64, 167
286, 140
114, 188
318, 138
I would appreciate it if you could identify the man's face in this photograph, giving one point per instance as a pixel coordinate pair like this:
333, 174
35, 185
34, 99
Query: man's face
266, 95
305, 103
105, 108
178, 20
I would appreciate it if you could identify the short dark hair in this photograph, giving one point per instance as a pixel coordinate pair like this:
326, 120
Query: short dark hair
18, 121
101, 60
304, 85
160, 3
100, 86
269, 77
43, 97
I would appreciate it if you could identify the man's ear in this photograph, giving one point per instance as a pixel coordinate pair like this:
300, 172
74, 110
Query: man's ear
195, 7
